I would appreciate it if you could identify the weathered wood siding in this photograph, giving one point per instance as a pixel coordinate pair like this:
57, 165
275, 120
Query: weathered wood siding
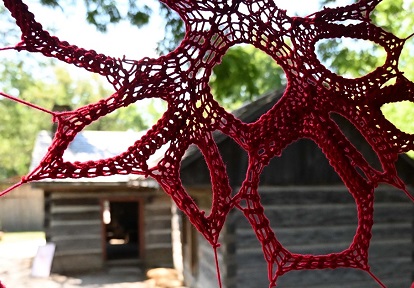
310, 210
21, 209
199, 264
204, 273
158, 247
322, 220
73, 221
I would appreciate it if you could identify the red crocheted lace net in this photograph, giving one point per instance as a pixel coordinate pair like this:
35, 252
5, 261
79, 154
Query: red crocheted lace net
181, 79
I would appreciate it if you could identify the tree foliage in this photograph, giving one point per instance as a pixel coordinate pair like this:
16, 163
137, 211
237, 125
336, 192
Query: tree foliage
256, 73
245, 73
20, 124
395, 16
101, 13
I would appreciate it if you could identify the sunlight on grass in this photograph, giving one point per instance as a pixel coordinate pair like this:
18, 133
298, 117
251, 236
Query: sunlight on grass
22, 236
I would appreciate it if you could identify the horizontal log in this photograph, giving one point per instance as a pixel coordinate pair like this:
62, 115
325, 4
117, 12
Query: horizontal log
87, 215
330, 214
394, 269
74, 229
65, 243
325, 234
54, 209
77, 201
153, 237
158, 224
61, 223
300, 195
74, 237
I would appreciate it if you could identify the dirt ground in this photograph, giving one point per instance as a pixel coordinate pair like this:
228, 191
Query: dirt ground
15, 269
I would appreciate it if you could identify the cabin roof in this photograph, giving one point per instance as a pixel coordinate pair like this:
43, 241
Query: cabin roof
92, 146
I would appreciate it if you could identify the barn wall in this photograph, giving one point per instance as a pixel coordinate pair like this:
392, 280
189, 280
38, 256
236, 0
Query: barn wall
21, 209
322, 220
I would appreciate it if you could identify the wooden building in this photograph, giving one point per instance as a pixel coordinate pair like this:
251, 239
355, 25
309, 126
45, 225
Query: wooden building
105, 220
310, 210
21, 210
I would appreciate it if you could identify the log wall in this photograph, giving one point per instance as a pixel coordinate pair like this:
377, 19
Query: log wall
322, 220
73, 221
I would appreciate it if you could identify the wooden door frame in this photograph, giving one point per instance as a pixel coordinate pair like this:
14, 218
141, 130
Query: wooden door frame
140, 228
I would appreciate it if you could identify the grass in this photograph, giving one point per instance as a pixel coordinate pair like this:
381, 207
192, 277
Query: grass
21, 236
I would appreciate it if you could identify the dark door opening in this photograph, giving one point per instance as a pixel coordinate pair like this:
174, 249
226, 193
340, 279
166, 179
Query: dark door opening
121, 220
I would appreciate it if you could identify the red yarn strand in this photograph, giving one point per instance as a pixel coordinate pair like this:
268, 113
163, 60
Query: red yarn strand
217, 266
4, 192
27, 104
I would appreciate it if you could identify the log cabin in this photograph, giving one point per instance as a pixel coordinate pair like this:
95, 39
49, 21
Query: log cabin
310, 210
115, 220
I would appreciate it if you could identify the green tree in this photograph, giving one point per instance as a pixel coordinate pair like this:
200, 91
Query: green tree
244, 74
20, 124
255, 74
395, 16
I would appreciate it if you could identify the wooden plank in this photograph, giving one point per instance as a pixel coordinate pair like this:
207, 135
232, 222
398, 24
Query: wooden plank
72, 244
396, 269
54, 223
300, 195
330, 215
159, 224
72, 263
325, 234
75, 201
150, 246
159, 236
74, 229
54, 209
81, 216
77, 252
75, 237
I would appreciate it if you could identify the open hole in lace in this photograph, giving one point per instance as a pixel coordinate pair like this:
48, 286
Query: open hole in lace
244, 74
298, 7
68, 24
359, 141
310, 210
198, 185
335, 54
114, 133
405, 63
400, 114
235, 165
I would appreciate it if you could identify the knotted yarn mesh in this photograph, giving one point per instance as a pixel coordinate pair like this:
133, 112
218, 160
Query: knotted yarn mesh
181, 78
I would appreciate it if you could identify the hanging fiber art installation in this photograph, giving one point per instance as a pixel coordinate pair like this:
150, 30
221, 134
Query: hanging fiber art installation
181, 79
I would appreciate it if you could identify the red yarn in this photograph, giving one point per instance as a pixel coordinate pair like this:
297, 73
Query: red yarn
181, 79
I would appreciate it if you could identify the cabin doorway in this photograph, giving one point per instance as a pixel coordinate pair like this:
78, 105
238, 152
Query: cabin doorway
122, 237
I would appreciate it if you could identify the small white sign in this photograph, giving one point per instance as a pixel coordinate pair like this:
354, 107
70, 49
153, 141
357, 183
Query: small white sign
42, 263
